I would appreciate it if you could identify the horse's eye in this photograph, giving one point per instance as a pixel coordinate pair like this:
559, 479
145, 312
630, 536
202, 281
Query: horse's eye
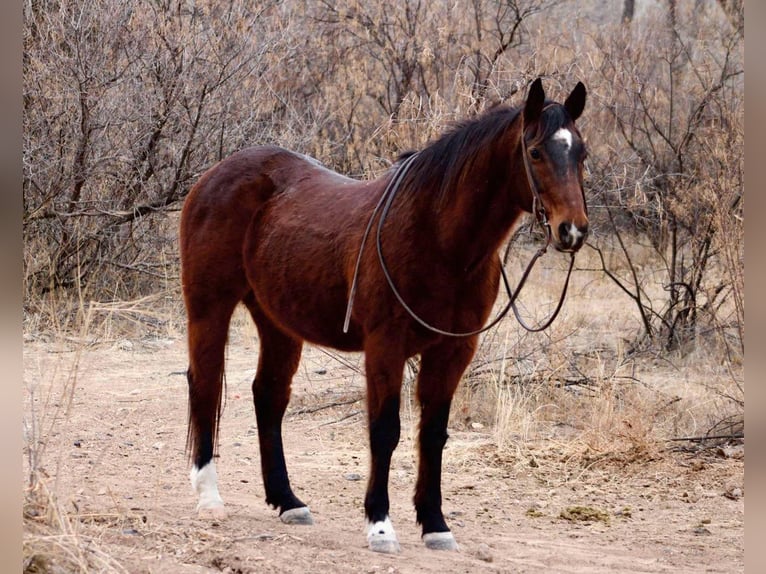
534, 153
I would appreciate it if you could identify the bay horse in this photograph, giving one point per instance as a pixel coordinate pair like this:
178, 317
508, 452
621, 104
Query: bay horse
277, 231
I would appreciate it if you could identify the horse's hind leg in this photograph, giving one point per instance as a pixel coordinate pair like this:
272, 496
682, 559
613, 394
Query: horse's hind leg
277, 362
441, 369
208, 323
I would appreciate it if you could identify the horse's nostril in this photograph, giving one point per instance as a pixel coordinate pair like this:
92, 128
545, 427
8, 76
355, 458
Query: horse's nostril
564, 235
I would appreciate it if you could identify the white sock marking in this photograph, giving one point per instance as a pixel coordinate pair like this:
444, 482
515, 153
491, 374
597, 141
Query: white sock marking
204, 481
380, 528
381, 536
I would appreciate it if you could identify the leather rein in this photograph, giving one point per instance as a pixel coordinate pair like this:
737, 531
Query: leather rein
385, 202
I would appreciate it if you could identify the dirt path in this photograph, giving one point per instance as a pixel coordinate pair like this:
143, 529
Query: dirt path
118, 463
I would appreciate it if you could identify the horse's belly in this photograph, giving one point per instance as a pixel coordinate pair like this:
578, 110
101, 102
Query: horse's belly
298, 281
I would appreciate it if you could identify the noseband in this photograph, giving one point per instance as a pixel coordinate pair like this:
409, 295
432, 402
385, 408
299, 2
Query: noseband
538, 209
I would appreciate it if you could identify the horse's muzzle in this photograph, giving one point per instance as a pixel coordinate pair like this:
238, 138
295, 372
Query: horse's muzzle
571, 237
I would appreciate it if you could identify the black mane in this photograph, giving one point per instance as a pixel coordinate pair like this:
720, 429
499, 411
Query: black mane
440, 164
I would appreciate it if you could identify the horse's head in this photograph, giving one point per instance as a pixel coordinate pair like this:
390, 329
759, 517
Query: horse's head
554, 153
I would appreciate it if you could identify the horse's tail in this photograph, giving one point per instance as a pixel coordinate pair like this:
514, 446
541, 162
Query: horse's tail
214, 220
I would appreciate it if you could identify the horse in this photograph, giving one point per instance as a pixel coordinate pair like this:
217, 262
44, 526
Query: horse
287, 237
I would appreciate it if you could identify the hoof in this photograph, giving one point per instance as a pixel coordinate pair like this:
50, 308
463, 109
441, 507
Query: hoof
440, 541
212, 513
385, 546
300, 515
381, 537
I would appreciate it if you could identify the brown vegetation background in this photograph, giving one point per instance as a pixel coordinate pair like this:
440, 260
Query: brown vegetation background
127, 103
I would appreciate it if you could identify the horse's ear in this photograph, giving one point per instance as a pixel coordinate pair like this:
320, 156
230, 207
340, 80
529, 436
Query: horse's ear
535, 101
575, 103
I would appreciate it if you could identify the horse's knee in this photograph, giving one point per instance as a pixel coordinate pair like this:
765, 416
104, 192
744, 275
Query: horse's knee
433, 422
270, 399
433, 437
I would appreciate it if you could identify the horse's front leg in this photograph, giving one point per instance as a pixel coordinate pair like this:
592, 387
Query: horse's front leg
440, 372
384, 383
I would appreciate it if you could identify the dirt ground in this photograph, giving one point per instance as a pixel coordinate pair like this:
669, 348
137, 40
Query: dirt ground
116, 463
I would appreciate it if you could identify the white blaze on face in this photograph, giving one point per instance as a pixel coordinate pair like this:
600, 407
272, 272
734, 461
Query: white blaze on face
564, 136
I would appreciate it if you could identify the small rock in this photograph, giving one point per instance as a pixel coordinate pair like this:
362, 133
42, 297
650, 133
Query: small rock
320, 371
484, 553
735, 451
353, 476
477, 426
125, 345
733, 493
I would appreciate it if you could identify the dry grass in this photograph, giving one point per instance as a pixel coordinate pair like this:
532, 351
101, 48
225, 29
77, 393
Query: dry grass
53, 541
52, 537
57, 536
584, 389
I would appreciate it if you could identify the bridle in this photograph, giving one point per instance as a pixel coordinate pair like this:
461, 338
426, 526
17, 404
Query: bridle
538, 210
385, 202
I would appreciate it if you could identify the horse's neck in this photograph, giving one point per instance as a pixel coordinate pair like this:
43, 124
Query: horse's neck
478, 216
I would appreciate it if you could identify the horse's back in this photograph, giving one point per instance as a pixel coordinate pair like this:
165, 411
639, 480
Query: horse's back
246, 179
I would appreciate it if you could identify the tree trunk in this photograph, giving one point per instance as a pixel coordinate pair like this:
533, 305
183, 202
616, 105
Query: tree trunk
628, 9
